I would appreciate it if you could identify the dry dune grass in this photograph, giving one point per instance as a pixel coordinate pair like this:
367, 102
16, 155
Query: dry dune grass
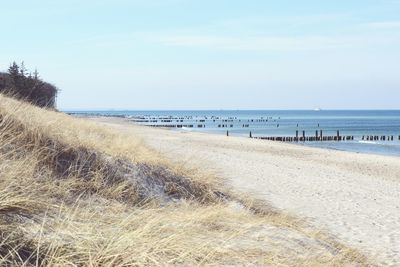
74, 193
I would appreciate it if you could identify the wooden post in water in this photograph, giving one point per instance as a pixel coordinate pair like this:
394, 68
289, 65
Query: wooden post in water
297, 135
304, 136
320, 134
337, 134
250, 135
316, 135
227, 133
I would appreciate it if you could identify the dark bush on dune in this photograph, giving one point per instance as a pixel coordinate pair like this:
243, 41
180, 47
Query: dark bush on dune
21, 84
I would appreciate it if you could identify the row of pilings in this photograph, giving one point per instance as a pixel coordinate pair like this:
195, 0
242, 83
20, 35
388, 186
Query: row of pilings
379, 138
320, 137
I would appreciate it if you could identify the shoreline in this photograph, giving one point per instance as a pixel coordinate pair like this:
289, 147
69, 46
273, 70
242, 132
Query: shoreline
353, 196
358, 146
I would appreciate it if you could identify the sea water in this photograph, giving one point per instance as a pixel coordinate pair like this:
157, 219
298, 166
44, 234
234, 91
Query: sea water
357, 123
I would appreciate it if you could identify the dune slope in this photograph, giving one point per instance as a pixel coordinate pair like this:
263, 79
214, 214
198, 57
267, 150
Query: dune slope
353, 196
73, 192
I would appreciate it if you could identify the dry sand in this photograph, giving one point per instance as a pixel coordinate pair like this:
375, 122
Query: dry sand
355, 197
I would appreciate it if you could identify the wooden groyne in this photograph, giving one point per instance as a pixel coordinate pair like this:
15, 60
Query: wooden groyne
306, 138
320, 137
379, 138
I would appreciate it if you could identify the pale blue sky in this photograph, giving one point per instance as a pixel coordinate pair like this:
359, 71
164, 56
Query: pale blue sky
209, 54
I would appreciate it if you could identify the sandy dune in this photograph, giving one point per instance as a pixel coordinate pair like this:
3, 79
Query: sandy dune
356, 197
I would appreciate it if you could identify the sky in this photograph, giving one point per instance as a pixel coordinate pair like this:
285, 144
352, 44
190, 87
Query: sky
209, 54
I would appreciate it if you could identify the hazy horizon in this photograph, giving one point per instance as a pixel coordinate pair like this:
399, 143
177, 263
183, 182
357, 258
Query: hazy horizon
208, 55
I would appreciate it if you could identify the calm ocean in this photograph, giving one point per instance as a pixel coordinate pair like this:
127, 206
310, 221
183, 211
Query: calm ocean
357, 123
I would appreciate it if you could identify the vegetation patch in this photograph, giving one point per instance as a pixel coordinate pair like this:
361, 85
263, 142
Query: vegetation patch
22, 84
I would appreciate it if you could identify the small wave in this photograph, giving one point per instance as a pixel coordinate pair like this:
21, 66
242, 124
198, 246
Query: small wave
186, 129
368, 142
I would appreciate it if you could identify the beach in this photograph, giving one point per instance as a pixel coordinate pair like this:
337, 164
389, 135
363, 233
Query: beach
355, 197
77, 192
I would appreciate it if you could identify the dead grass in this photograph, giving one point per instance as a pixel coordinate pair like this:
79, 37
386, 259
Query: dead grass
74, 193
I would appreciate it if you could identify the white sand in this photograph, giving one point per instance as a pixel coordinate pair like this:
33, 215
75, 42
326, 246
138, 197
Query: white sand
356, 197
